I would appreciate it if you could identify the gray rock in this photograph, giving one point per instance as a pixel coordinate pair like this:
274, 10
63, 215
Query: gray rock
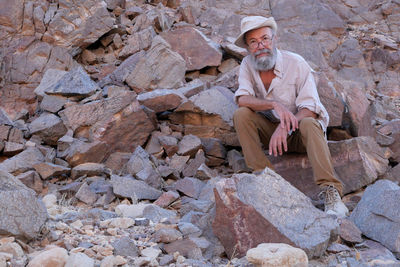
167, 235
21, 213
53, 103
189, 186
50, 78
88, 169
142, 221
86, 195
23, 162
161, 100
189, 145
129, 187
32, 180
4, 119
48, 170
124, 246
192, 168
82, 152
270, 210
378, 211
48, 127
74, 83
236, 161
157, 214
196, 205
12, 148
79, 259
189, 229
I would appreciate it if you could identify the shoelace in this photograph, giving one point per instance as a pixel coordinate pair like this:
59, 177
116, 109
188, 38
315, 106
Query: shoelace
329, 195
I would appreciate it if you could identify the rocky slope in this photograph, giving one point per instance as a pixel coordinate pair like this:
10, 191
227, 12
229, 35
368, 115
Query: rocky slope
117, 146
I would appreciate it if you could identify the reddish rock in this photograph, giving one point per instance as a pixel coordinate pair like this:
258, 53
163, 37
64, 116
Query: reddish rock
161, 100
392, 129
169, 143
82, 152
189, 145
185, 247
117, 160
194, 164
189, 186
32, 180
166, 198
349, 232
11, 148
48, 170
357, 161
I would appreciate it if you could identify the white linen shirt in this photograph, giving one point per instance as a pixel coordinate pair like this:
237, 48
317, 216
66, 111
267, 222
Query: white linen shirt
294, 85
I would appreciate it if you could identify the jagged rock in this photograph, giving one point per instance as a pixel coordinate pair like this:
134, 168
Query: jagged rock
236, 161
215, 151
177, 163
117, 160
54, 257
157, 214
189, 229
48, 170
50, 79
79, 260
189, 186
166, 199
22, 162
76, 82
21, 214
81, 152
185, 247
377, 212
12, 15
336, 248
358, 162
32, 180
4, 131
138, 41
208, 114
197, 50
4, 119
129, 187
161, 68
48, 127
195, 205
189, 145
392, 129
277, 254
124, 246
193, 166
204, 173
371, 249
86, 195
169, 144
161, 100
11, 148
167, 235
89, 169
192, 88
258, 202
95, 21
53, 103
349, 232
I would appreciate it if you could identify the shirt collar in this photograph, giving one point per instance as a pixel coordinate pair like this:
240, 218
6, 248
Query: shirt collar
278, 70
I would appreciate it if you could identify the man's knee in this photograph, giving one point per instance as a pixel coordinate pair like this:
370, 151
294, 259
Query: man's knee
242, 114
309, 123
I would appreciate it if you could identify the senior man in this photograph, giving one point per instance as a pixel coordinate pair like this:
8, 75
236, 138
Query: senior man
279, 107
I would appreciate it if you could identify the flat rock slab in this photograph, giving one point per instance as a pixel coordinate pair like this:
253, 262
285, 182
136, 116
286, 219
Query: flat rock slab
357, 162
48, 127
377, 214
265, 208
21, 213
129, 187
197, 50
23, 162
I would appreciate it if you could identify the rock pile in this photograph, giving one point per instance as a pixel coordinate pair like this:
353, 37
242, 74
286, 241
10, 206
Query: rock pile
117, 146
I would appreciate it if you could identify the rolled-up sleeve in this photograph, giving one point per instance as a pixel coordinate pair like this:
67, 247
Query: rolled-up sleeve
245, 80
307, 95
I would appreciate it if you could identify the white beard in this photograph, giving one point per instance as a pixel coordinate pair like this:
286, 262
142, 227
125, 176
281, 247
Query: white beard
264, 63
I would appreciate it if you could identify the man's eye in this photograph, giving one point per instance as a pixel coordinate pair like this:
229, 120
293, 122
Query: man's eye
252, 42
266, 38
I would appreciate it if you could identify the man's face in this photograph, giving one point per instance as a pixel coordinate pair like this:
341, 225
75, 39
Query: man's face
261, 45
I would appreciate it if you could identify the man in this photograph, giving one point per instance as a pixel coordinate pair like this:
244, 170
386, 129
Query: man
279, 107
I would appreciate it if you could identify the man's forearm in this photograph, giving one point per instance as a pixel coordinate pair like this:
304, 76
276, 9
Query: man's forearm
254, 103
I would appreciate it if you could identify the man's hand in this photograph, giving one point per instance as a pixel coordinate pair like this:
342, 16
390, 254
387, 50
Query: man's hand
278, 141
288, 120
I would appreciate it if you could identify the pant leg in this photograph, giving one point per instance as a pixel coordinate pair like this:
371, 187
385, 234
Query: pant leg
311, 137
253, 131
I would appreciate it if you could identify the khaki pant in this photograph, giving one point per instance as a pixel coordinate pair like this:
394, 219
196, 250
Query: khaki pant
254, 131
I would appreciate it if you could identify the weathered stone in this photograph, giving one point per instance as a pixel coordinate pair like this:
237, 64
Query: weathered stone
117, 160
21, 214
4, 119
122, 223
22, 162
81, 152
138, 41
11, 148
86, 195
213, 147
166, 199
49, 200
178, 163
336, 248
392, 129
193, 166
189, 229
349, 232
79, 260
167, 235
161, 100
204, 173
74, 83
189, 186
32, 180
4, 131
48, 170
257, 201
195, 205
54, 257
161, 68
157, 214
197, 50
48, 127
236, 161
189, 145
64, 31
192, 88
185, 247
377, 212
53, 103
169, 143
208, 114
129, 187
16, 135
50, 79
357, 162
11, 15
277, 254
89, 169
370, 250
124, 246
142, 221
132, 211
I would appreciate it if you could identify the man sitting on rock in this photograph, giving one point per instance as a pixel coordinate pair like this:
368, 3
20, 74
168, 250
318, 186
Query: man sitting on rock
279, 107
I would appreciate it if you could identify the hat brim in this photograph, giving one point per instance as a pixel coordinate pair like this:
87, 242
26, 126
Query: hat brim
240, 39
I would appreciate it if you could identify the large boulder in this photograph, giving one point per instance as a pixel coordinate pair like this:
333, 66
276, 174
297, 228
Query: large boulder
253, 209
23, 161
377, 215
48, 127
21, 213
358, 162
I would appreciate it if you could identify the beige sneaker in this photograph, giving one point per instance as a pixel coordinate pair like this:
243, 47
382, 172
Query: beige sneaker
333, 202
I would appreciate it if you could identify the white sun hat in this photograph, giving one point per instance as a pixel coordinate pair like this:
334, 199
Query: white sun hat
251, 23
